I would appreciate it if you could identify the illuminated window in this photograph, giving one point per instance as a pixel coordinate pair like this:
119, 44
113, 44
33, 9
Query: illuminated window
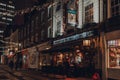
114, 53
89, 13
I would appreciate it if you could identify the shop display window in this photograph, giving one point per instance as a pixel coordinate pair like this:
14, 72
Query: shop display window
114, 53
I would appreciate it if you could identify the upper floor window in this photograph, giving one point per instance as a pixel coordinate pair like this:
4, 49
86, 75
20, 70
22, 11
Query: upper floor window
42, 16
49, 12
58, 6
115, 7
89, 13
49, 32
42, 34
58, 27
36, 22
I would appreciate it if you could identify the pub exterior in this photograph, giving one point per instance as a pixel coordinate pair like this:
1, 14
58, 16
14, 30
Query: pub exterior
80, 50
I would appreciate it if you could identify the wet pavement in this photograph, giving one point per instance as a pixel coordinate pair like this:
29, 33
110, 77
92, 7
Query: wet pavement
8, 74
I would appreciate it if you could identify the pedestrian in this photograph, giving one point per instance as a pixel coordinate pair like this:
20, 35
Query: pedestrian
66, 67
11, 64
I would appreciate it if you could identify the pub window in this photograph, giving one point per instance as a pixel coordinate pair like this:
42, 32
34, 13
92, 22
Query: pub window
115, 7
114, 53
89, 13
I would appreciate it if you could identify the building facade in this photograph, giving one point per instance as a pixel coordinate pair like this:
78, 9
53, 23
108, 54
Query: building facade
111, 40
57, 17
77, 37
7, 12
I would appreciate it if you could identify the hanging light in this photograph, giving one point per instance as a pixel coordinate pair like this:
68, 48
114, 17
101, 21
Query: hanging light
86, 42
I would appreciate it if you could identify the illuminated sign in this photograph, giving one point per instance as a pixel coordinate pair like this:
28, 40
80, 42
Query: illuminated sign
74, 37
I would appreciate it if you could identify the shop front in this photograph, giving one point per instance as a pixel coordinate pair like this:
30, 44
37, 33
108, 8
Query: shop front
113, 54
44, 55
77, 55
33, 56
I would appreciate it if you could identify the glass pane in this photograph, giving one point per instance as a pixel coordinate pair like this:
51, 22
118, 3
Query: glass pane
112, 2
116, 2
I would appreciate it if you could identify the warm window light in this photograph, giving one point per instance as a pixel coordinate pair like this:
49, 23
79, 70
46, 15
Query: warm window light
16, 49
19, 44
47, 48
8, 49
86, 42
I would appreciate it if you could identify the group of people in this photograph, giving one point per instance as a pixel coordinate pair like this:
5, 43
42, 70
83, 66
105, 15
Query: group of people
15, 65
